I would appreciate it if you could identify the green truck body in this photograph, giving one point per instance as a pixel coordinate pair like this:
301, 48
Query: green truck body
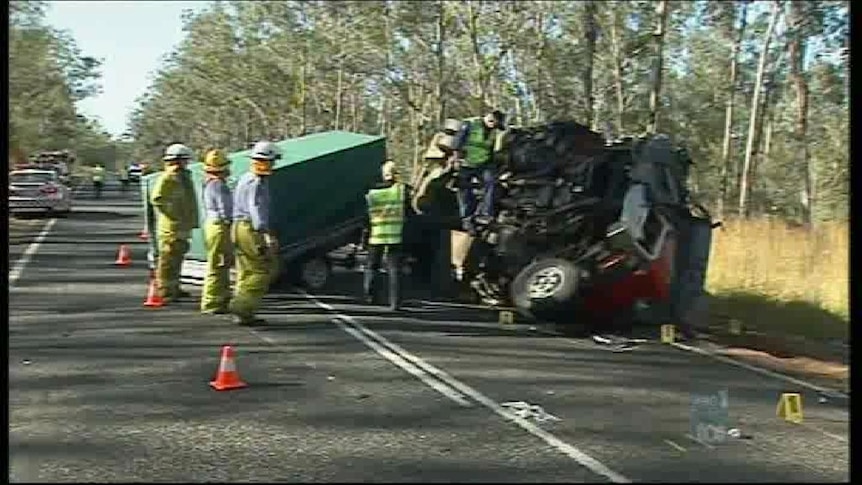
317, 190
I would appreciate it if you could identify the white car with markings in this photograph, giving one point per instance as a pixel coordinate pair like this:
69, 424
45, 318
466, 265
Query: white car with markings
35, 190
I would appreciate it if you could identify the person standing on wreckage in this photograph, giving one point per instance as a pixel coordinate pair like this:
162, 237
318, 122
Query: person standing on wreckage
218, 206
477, 141
176, 207
255, 245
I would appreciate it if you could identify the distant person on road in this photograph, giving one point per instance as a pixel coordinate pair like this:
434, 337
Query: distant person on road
387, 213
123, 173
98, 180
175, 202
255, 245
218, 206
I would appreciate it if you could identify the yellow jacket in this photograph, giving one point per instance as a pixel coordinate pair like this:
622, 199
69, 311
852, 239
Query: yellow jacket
175, 202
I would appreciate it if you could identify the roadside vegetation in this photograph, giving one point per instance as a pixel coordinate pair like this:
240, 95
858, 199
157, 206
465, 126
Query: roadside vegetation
776, 277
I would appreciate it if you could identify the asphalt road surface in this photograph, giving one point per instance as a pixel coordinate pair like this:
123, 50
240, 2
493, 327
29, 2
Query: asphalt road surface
102, 389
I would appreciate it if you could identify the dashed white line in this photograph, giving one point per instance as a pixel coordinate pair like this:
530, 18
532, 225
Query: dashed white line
16, 272
359, 331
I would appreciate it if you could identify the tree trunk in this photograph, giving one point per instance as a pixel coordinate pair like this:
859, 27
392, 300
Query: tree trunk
441, 62
338, 95
655, 94
728, 117
797, 77
618, 70
742, 207
590, 35
303, 98
472, 21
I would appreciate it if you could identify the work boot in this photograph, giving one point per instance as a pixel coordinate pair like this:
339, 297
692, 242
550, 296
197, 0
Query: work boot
218, 311
248, 321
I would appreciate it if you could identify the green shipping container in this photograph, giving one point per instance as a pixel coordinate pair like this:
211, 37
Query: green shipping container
317, 190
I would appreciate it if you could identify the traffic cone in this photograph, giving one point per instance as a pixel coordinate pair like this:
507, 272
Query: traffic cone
124, 256
227, 377
153, 299
144, 236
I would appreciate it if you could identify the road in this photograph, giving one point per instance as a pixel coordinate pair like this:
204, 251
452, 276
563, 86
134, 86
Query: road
102, 389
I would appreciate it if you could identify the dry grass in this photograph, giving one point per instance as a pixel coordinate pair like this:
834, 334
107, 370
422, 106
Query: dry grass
783, 266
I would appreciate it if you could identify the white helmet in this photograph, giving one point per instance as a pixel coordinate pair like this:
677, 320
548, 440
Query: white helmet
265, 150
177, 151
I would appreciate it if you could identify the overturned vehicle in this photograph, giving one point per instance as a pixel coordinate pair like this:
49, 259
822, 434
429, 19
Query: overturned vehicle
583, 228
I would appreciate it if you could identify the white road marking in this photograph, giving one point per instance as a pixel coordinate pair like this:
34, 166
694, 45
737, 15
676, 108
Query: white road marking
16, 272
834, 436
405, 365
674, 445
762, 371
359, 331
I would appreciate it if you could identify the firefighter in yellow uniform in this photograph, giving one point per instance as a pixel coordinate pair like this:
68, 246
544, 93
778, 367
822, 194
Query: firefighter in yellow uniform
387, 207
254, 241
98, 180
174, 200
218, 206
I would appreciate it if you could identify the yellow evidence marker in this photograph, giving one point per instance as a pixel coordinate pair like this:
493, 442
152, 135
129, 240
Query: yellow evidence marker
668, 334
790, 407
506, 318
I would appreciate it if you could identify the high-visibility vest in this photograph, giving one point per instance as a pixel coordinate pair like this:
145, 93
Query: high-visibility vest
478, 148
98, 174
386, 212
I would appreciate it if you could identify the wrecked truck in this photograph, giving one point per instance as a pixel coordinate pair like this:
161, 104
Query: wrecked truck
584, 228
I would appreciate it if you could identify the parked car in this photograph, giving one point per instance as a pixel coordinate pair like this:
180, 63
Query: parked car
34, 190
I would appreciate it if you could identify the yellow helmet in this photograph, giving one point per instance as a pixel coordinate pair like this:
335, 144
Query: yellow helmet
215, 160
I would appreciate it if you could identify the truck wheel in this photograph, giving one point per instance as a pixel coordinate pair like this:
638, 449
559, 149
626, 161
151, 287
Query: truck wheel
314, 273
546, 288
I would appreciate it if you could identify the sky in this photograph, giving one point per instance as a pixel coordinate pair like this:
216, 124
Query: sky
130, 37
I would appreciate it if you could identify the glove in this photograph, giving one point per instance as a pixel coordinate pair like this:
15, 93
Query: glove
271, 244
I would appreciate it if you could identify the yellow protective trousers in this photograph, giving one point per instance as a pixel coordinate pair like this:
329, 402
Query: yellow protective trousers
215, 295
173, 246
254, 270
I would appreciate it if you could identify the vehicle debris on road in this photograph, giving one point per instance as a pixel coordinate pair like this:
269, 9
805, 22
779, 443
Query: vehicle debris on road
526, 410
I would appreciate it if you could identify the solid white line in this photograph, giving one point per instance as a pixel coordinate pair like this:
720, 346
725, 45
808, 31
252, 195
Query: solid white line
16, 272
762, 371
572, 452
407, 366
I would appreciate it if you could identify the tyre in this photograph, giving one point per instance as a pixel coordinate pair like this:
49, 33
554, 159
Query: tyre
314, 273
546, 289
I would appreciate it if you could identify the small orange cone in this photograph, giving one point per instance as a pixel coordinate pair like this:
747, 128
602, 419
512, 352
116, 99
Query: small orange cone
227, 377
153, 299
144, 236
124, 256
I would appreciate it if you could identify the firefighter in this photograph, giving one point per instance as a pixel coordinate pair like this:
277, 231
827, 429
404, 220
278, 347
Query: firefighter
124, 177
218, 205
254, 242
387, 210
477, 139
98, 180
175, 202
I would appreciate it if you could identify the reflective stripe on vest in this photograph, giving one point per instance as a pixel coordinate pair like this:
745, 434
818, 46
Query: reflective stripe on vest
477, 147
386, 212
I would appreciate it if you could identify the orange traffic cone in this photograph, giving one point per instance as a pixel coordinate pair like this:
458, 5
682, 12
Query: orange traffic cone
153, 299
144, 236
227, 377
124, 256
